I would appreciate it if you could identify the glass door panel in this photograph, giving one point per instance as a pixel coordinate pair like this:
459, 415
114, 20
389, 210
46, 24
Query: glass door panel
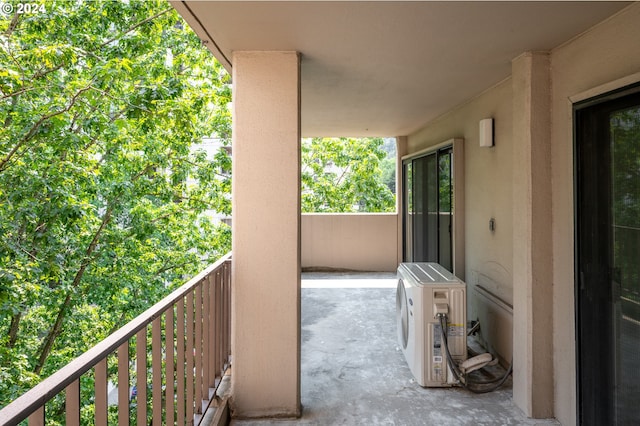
445, 213
625, 228
608, 259
408, 211
431, 236
425, 204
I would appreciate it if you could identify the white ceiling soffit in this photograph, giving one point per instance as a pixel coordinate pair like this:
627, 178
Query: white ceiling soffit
388, 68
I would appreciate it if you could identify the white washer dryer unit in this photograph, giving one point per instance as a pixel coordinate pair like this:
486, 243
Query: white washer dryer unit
423, 290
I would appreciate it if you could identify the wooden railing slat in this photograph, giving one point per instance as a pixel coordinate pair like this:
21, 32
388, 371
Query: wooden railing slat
141, 377
180, 370
156, 371
72, 404
169, 366
123, 384
197, 350
37, 418
101, 389
189, 359
205, 337
211, 349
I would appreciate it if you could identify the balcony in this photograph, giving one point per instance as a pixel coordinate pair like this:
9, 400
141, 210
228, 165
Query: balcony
352, 369
354, 373
165, 365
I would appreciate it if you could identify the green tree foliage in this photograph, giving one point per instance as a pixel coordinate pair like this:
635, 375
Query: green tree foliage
102, 195
345, 175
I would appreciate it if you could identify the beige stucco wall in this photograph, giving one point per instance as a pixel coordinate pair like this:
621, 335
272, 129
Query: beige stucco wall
602, 59
488, 194
355, 241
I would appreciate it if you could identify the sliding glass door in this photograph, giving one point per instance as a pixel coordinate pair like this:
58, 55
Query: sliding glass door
428, 194
608, 259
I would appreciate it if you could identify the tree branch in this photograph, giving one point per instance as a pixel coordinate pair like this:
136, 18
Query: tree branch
170, 267
44, 72
13, 329
144, 21
12, 25
55, 331
9, 118
37, 125
19, 92
344, 172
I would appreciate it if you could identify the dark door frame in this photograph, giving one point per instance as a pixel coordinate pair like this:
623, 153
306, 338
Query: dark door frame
594, 309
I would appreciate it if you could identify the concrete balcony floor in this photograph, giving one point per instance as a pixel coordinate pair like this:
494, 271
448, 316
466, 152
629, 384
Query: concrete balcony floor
354, 373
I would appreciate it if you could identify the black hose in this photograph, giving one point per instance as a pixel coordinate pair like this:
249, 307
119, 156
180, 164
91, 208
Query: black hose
465, 381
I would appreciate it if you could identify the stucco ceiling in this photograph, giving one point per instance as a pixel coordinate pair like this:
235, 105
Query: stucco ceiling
388, 68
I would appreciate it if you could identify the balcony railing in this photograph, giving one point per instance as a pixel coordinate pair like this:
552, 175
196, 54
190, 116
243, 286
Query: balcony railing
175, 377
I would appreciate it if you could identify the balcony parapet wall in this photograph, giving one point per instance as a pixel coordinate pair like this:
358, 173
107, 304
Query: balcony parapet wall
350, 241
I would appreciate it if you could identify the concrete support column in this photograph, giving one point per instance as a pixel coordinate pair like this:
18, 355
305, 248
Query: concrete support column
266, 235
532, 244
